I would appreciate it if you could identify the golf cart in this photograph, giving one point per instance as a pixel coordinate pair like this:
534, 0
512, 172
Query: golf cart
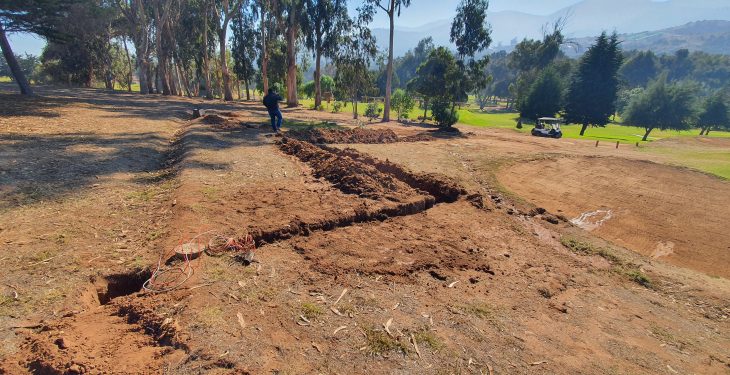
547, 127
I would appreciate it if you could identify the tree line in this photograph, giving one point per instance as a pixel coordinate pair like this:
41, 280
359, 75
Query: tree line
182, 47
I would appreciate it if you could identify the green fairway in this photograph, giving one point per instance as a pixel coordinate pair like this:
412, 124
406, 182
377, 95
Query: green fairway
612, 132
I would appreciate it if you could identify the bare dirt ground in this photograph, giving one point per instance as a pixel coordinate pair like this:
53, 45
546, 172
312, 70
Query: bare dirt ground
427, 256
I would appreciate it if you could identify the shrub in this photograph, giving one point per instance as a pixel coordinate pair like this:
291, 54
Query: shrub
402, 102
373, 111
443, 113
336, 107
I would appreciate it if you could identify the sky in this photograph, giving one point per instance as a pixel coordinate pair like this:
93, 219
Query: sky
435, 10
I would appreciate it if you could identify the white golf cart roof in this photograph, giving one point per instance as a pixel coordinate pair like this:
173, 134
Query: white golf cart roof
550, 119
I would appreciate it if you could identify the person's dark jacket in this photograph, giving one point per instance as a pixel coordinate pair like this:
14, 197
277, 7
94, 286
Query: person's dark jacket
271, 101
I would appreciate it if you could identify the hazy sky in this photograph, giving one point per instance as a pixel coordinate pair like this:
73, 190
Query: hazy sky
424, 11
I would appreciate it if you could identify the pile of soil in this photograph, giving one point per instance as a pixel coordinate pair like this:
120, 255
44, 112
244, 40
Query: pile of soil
226, 121
357, 135
350, 176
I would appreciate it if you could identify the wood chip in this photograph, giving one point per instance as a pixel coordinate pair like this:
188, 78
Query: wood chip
491, 370
415, 345
240, 320
387, 326
453, 283
42, 261
334, 310
340, 297
317, 347
340, 328
538, 363
396, 306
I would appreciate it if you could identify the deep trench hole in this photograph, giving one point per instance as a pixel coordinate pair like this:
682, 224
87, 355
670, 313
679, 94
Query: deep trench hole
122, 284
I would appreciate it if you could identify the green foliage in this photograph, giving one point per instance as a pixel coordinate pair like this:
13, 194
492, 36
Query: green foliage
662, 106
402, 102
404, 67
626, 96
469, 29
545, 96
336, 107
28, 65
244, 44
441, 80
327, 84
641, 68
714, 114
373, 111
591, 99
443, 113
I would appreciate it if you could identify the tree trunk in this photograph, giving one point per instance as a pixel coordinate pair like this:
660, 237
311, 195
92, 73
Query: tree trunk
130, 77
227, 94
583, 128
707, 132
206, 58
354, 109
265, 55
646, 135
291, 54
18, 75
389, 78
248, 95
702, 130
425, 109
317, 83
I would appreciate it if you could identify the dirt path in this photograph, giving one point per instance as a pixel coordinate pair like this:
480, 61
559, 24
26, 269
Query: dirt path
405, 257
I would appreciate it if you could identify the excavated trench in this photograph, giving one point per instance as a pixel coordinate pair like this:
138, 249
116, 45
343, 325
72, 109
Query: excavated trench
399, 191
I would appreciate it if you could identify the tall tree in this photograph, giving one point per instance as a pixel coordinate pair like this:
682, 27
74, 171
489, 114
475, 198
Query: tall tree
392, 8
714, 114
244, 46
225, 9
545, 97
39, 17
135, 15
662, 106
294, 13
593, 91
639, 69
352, 61
324, 22
439, 80
471, 35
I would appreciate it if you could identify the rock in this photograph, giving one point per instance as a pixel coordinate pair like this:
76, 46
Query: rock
62, 343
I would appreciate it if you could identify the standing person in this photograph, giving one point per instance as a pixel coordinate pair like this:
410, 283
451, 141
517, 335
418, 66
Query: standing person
271, 101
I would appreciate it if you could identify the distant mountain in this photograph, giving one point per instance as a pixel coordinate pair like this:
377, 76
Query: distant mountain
706, 36
585, 18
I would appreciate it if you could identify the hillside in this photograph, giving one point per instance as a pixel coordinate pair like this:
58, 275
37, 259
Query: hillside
706, 36
590, 17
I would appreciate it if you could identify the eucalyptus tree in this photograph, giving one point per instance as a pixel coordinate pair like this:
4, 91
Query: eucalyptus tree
324, 22
392, 8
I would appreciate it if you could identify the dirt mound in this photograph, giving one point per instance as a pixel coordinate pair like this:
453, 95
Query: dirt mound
357, 135
226, 121
348, 175
441, 187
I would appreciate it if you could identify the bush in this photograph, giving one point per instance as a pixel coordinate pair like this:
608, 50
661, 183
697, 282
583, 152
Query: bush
443, 113
373, 111
336, 107
402, 102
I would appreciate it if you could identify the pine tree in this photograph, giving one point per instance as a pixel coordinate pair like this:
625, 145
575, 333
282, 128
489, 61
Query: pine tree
593, 91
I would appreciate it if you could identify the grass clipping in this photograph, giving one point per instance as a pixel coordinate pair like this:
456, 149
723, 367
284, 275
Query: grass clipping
618, 265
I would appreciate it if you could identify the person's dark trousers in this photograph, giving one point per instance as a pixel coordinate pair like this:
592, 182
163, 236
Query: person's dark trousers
276, 119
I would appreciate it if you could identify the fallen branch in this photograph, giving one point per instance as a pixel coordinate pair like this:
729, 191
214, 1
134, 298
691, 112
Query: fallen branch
415, 345
341, 295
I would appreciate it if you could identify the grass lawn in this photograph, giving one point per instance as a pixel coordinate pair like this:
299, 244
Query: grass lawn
5, 79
